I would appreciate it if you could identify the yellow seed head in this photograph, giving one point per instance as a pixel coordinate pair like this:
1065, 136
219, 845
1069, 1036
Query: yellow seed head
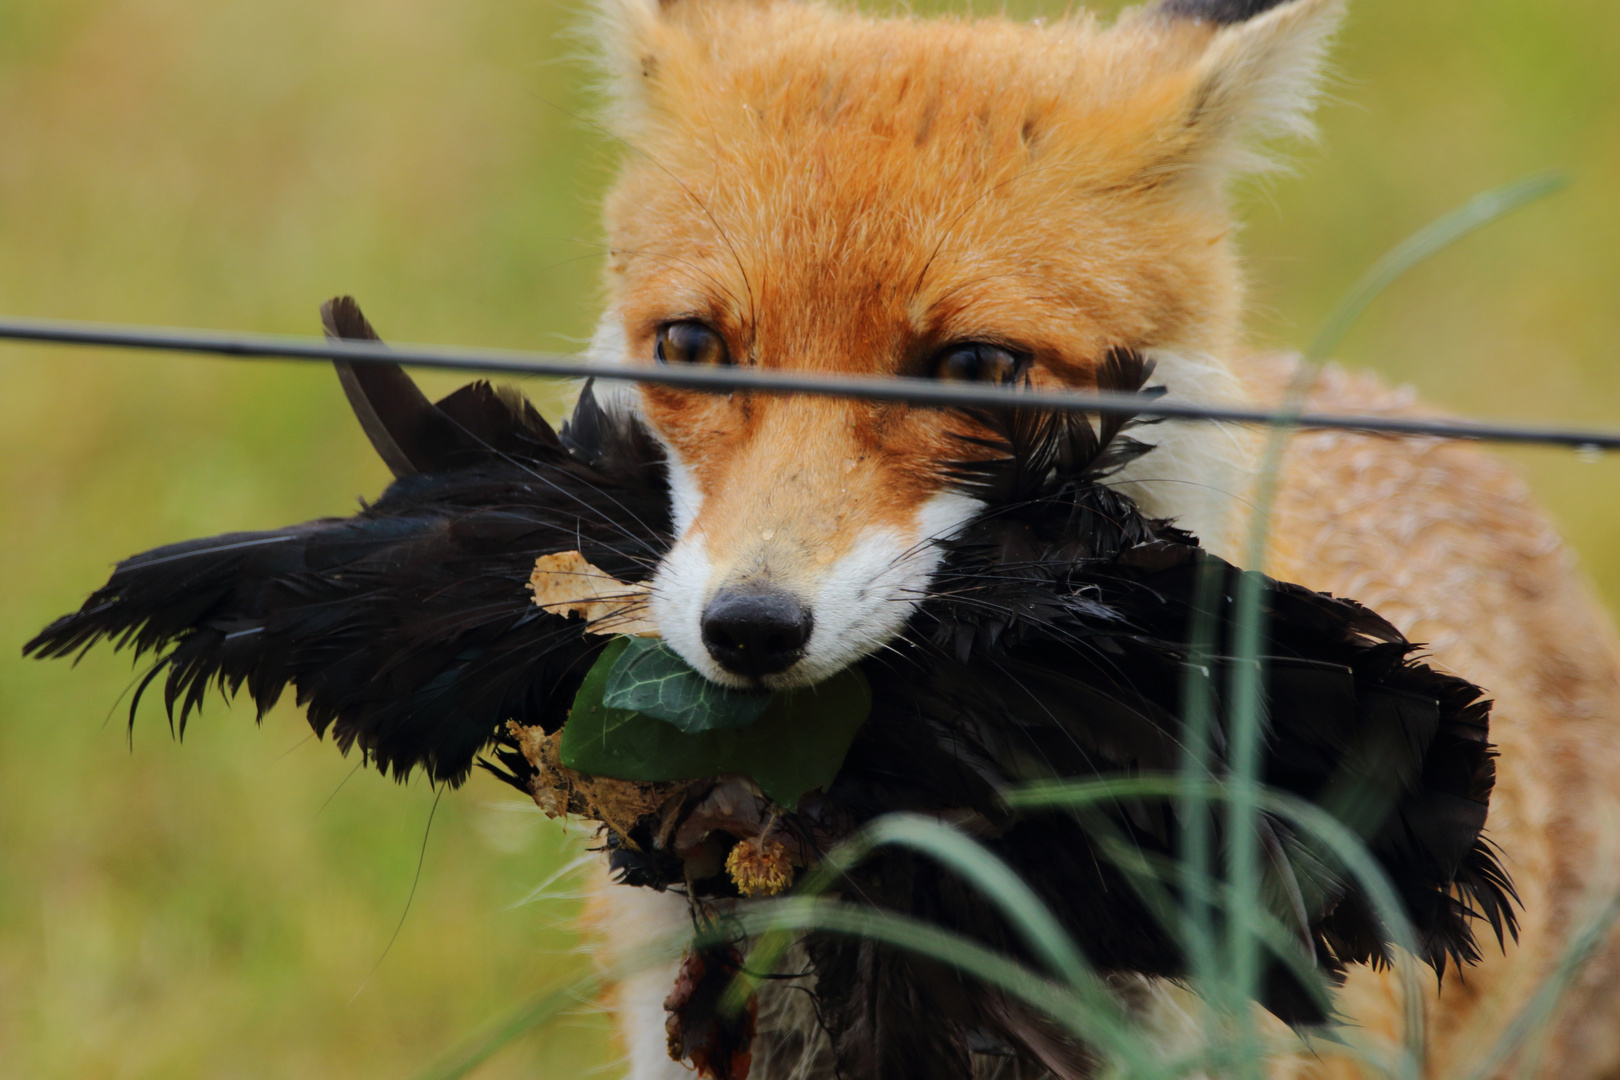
760, 867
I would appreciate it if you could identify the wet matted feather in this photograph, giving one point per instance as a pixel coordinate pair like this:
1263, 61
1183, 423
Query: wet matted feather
1053, 643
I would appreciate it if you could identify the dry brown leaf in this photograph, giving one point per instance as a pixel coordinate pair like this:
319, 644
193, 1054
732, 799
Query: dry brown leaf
566, 584
562, 792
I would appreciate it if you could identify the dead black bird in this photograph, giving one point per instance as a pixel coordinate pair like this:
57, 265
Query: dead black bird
1054, 643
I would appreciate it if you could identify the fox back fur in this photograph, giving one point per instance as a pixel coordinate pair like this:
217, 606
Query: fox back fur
823, 190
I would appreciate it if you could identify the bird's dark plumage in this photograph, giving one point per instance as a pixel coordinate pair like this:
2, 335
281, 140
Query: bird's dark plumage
407, 630
1054, 643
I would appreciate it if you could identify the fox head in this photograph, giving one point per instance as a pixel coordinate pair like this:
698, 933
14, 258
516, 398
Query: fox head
812, 188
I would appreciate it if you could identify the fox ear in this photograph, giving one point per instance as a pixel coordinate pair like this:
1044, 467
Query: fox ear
637, 41
1256, 79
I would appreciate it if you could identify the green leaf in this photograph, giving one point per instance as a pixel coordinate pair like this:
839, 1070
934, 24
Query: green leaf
796, 745
650, 678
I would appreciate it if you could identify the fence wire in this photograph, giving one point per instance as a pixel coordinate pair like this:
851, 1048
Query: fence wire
926, 393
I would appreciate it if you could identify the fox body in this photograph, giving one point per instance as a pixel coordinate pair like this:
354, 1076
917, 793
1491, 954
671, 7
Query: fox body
816, 189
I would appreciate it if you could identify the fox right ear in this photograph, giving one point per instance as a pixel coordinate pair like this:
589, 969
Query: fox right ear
1255, 77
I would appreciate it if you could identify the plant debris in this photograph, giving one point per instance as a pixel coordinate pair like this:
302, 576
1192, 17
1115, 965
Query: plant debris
698, 1030
562, 792
566, 584
760, 866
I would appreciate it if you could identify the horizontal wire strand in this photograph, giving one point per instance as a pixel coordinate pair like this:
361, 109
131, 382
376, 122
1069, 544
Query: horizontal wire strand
911, 391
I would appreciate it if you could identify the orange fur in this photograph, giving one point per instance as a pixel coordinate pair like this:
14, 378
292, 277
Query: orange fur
836, 192
868, 209
1446, 542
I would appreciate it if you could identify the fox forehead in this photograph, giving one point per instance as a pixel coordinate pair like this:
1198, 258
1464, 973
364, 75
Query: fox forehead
839, 192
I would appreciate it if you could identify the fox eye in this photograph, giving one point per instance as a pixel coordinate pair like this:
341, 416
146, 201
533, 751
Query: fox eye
975, 361
690, 342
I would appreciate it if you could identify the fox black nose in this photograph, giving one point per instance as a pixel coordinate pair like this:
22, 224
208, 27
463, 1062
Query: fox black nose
755, 633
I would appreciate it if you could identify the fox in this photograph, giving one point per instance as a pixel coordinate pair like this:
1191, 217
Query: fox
807, 187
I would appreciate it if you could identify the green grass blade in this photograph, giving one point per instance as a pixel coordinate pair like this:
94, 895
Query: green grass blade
1476, 213
539, 1011
1338, 840
1148, 874
1245, 727
1198, 761
1529, 1025
973, 861
1343, 844
1027, 913
546, 1007
1114, 1038
1244, 721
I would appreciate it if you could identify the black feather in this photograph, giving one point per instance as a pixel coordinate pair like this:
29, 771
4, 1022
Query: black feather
392, 410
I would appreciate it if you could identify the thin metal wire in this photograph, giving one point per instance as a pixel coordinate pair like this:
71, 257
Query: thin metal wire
922, 392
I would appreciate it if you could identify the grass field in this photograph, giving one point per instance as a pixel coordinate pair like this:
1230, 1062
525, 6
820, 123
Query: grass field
219, 908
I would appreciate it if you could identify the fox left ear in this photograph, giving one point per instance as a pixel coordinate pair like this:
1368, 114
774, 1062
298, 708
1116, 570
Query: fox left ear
640, 44
1256, 79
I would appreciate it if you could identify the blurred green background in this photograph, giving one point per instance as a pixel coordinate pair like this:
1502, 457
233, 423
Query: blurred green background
218, 909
